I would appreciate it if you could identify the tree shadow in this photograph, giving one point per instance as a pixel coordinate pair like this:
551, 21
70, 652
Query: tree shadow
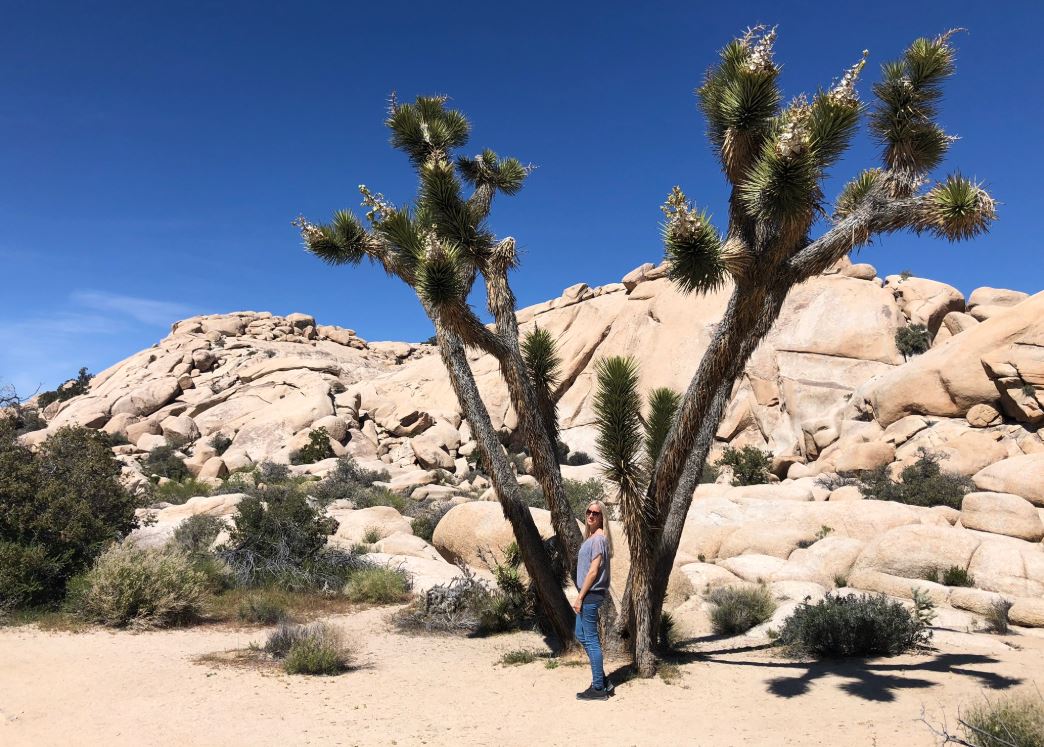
868, 679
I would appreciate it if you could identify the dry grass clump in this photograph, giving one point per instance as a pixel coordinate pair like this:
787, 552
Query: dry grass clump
737, 609
378, 585
140, 588
318, 648
1015, 720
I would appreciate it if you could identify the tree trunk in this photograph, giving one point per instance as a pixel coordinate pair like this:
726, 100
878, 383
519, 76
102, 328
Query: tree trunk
552, 600
752, 310
531, 422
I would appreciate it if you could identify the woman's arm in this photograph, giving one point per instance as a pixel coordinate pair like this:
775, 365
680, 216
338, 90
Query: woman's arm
589, 579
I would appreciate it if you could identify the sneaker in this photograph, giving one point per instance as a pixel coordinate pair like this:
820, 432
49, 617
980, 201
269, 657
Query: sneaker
610, 688
592, 694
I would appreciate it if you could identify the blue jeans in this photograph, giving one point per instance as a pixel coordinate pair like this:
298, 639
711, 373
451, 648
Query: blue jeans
587, 633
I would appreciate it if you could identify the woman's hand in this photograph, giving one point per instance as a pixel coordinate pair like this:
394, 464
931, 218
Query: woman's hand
578, 604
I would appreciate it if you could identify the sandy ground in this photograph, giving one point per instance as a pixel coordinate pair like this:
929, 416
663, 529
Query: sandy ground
123, 688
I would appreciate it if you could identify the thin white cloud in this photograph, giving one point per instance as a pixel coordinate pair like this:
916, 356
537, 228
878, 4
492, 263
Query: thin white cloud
144, 310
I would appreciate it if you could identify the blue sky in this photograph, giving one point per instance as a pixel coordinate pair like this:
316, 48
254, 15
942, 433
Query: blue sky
153, 155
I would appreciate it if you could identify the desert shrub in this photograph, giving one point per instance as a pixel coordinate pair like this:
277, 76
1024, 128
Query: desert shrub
197, 533
750, 465
997, 617
141, 588
519, 656
262, 609
348, 481
59, 509
580, 493
71, 388
317, 449
737, 609
280, 538
923, 483
708, 474
271, 473
956, 576
433, 340
318, 648
905, 275
449, 608
578, 459
913, 340
165, 462
378, 586
867, 625
220, 442
532, 496
1029, 390
179, 491
1015, 720
371, 535
424, 524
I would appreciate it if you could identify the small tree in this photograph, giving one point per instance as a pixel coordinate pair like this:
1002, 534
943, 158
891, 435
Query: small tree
440, 246
913, 340
776, 157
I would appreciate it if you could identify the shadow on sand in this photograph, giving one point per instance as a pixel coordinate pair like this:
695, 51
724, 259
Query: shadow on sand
868, 679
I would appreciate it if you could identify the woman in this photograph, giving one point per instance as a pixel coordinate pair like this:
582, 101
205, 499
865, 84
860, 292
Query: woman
592, 578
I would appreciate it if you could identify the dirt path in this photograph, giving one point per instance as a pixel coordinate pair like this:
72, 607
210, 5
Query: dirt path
150, 689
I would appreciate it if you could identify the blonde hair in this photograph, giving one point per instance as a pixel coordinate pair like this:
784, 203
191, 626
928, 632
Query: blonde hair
606, 531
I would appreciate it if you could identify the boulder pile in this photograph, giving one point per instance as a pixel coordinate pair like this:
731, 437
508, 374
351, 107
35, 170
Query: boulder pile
827, 392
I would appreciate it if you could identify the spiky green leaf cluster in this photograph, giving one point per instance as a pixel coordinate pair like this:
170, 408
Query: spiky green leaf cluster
957, 209
857, 190
739, 98
506, 175
663, 406
541, 355
341, 242
832, 121
908, 95
618, 411
692, 246
783, 186
441, 275
442, 206
426, 128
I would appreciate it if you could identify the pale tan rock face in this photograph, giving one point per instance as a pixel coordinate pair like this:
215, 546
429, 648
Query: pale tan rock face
947, 381
1002, 513
1021, 475
925, 301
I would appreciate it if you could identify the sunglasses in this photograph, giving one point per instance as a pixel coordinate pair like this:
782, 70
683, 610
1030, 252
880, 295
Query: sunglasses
593, 513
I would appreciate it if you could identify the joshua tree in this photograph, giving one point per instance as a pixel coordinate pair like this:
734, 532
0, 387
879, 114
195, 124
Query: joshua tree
440, 246
775, 158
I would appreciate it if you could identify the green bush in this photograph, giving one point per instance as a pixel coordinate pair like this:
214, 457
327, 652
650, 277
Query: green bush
839, 626
371, 535
921, 484
220, 442
737, 609
750, 465
378, 586
997, 617
262, 609
519, 656
957, 576
71, 388
59, 509
179, 491
197, 533
140, 588
578, 459
317, 449
348, 481
165, 462
581, 493
913, 340
423, 525
1015, 720
280, 538
310, 649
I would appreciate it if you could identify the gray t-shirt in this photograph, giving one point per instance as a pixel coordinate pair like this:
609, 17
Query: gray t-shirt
594, 545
